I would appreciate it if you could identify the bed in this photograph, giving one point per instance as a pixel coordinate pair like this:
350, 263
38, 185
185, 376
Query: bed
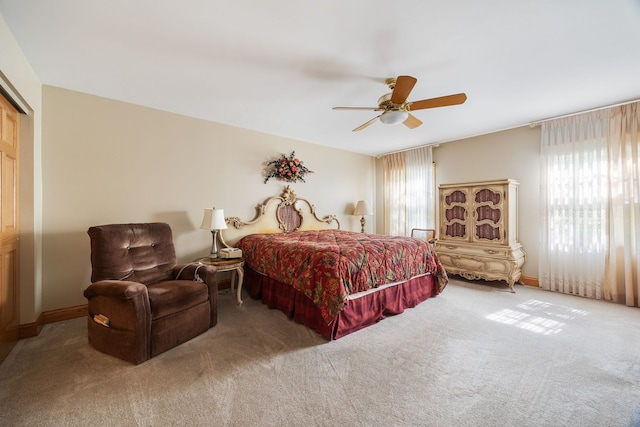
331, 280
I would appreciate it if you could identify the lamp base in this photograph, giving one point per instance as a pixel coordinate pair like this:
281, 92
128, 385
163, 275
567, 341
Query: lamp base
362, 221
214, 245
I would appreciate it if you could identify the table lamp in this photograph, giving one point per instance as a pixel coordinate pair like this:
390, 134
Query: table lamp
363, 208
213, 220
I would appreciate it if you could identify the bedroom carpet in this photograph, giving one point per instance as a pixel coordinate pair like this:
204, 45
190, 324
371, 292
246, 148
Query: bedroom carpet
476, 355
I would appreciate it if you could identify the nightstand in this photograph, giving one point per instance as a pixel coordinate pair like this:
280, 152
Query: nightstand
234, 265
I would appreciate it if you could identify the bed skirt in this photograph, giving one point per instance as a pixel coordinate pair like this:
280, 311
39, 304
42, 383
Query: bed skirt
359, 313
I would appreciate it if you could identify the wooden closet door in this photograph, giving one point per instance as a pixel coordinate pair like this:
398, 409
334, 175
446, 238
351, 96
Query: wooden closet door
9, 232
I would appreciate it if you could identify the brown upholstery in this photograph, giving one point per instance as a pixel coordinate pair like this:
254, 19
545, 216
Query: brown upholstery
136, 285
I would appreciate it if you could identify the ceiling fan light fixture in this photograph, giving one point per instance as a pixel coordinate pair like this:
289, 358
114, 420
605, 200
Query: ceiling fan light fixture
396, 107
393, 117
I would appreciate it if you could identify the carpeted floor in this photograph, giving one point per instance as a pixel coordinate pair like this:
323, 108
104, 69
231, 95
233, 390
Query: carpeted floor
476, 355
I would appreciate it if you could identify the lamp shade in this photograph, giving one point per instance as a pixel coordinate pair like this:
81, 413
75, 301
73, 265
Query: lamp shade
363, 208
213, 219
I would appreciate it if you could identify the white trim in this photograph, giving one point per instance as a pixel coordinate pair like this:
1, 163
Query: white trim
13, 95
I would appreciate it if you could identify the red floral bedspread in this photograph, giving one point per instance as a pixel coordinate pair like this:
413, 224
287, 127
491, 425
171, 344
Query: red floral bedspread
329, 265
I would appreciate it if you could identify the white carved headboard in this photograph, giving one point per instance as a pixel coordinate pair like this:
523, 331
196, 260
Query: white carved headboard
278, 214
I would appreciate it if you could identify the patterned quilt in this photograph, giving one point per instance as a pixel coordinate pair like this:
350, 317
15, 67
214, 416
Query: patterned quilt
329, 265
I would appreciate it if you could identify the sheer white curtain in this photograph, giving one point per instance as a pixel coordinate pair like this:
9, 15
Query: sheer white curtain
623, 268
408, 191
590, 205
574, 195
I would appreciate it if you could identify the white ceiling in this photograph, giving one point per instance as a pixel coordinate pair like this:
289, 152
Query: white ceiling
279, 66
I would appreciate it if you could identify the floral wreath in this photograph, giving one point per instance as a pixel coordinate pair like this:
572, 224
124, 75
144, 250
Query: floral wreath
290, 169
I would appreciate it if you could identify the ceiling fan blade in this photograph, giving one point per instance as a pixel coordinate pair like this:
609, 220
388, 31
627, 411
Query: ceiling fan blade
370, 122
443, 101
412, 122
402, 89
358, 108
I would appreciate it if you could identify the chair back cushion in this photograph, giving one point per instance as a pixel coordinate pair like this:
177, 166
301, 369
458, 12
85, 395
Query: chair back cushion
137, 252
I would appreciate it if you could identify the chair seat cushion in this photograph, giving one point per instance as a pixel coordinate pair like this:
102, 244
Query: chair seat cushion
172, 296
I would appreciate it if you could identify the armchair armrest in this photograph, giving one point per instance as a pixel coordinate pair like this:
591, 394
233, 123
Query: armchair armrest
120, 289
126, 305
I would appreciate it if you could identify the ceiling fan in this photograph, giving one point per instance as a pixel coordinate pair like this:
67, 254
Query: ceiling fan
396, 108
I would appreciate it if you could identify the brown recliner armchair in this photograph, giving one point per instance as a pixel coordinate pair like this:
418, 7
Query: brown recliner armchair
151, 303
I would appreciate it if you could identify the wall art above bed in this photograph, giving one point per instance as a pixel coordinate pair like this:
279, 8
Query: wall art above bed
286, 168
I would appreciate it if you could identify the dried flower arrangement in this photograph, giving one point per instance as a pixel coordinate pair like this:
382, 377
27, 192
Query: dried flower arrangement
289, 169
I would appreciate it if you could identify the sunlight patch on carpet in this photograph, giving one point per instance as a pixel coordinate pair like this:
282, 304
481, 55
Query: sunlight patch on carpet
537, 316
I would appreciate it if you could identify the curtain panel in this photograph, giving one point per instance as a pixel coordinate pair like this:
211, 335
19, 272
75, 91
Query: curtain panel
590, 214
573, 190
408, 191
623, 270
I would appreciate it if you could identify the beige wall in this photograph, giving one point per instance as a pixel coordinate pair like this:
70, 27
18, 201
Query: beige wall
18, 78
106, 161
